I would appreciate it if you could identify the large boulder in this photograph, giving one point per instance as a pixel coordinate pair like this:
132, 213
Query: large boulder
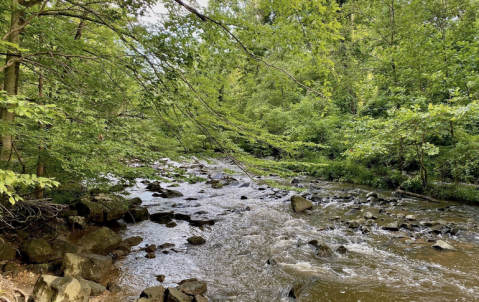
102, 241
88, 266
154, 294
7, 251
61, 247
136, 214
300, 204
59, 289
193, 288
36, 250
102, 207
174, 295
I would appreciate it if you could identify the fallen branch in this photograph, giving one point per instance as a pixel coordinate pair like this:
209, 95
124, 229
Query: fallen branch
418, 196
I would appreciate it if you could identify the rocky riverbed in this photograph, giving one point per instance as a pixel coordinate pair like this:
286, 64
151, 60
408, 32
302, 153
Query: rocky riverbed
233, 238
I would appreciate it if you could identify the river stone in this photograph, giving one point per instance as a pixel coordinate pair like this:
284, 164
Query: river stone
174, 295
323, 250
443, 246
135, 201
154, 186
150, 255
61, 247
300, 204
171, 224
102, 241
411, 217
154, 294
297, 289
160, 217
196, 240
393, 226
132, 241
102, 207
199, 298
182, 216
201, 221
216, 175
88, 266
136, 214
60, 289
193, 288
36, 250
369, 215
7, 251
114, 287
342, 250
96, 288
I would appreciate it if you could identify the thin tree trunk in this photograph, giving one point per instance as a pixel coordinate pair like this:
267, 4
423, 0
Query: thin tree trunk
40, 168
11, 77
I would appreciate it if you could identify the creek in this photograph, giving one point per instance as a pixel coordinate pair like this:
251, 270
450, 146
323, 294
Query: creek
378, 265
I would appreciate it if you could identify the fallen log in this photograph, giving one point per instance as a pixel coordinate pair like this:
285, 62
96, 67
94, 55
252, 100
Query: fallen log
430, 199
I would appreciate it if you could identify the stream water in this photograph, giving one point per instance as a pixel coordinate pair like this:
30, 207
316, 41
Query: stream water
380, 265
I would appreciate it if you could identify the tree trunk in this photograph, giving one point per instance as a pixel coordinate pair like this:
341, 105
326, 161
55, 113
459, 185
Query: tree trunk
38, 189
11, 77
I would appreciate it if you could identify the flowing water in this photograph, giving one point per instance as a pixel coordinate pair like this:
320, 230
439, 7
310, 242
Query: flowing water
380, 265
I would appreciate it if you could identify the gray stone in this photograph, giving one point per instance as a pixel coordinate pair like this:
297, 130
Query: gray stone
59, 289
96, 288
102, 207
372, 194
193, 288
369, 215
411, 217
102, 241
393, 226
61, 247
443, 246
199, 298
7, 251
136, 214
114, 287
88, 266
300, 204
196, 240
154, 294
174, 295
36, 250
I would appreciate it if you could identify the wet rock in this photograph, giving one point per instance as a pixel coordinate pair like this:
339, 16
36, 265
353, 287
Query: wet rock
271, 261
160, 278
102, 207
353, 224
393, 226
196, 240
132, 241
96, 288
201, 221
199, 298
216, 184
61, 247
323, 250
443, 246
60, 289
300, 204
120, 253
244, 185
429, 223
166, 245
162, 217
369, 215
114, 287
244, 197
151, 248
150, 255
136, 201
411, 217
182, 216
102, 241
7, 251
372, 194
77, 222
193, 288
36, 250
88, 266
174, 295
154, 294
154, 187
171, 224
342, 250
171, 194
295, 181
136, 214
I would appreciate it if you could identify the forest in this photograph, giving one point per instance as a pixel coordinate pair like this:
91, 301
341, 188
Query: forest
377, 92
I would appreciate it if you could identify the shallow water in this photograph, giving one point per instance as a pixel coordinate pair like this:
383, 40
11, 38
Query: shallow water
378, 267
